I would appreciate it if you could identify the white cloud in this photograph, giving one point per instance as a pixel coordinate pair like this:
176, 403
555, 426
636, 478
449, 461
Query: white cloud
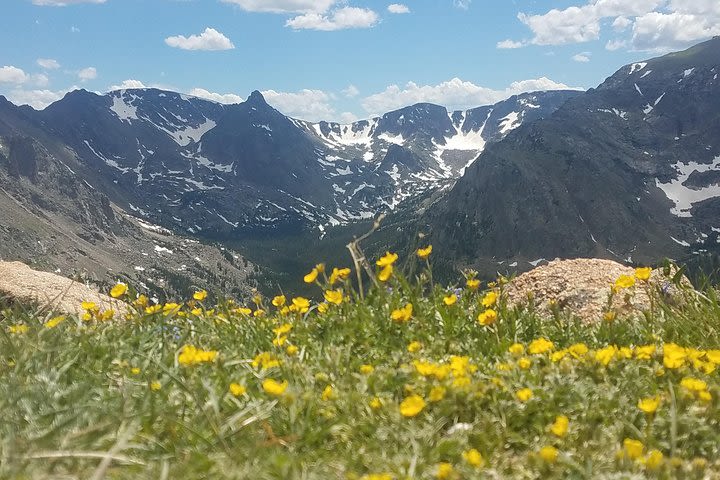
347, 118
583, 57
455, 94
210, 39
464, 4
621, 24
63, 3
340, 19
660, 31
613, 45
284, 6
10, 74
38, 99
226, 98
313, 105
351, 91
89, 73
505, 44
398, 8
48, 63
128, 84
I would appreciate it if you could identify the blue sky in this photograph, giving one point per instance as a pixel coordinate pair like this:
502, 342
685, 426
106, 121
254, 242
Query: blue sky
336, 59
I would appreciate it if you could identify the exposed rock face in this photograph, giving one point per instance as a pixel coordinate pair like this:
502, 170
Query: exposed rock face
584, 287
51, 292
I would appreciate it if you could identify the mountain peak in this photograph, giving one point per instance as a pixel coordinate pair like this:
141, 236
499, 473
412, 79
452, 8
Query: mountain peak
256, 98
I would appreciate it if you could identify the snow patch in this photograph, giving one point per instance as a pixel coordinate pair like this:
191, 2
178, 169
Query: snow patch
636, 67
684, 197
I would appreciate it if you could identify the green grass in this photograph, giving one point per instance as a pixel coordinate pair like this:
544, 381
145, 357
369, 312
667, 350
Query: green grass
74, 407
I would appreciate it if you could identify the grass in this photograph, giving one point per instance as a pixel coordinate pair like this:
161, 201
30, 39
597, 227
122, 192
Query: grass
127, 398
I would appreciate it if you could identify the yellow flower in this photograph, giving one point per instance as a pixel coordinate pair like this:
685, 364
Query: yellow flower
265, 360
524, 395
713, 356
402, 314
236, 389
279, 301
624, 281
200, 295
559, 428
436, 394
693, 384
367, 369
280, 340
605, 355
118, 290
323, 308
633, 448
89, 306
141, 301
86, 317
320, 267
282, 329
558, 355
645, 352
387, 260
578, 350
339, 274
473, 458
524, 363
196, 311
377, 476
643, 273
301, 304
444, 471
488, 317
654, 460
609, 316
540, 346
450, 299
312, 276
55, 321
412, 406
155, 386
414, 347
549, 454
385, 273
649, 405
273, 387
673, 356
334, 296
243, 311
327, 394
375, 403
516, 349
292, 350
190, 355
473, 284
705, 396
259, 313
424, 253
489, 299
171, 308
107, 315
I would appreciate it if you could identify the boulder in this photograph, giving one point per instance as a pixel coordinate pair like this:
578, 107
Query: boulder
51, 292
584, 286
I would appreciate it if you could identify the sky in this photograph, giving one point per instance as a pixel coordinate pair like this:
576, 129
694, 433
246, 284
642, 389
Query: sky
336, 60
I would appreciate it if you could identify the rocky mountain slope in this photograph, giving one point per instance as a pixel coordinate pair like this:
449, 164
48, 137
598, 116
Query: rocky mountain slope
629, 170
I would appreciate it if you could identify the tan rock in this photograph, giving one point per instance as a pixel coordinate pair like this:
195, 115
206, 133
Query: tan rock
583, 287
50, 292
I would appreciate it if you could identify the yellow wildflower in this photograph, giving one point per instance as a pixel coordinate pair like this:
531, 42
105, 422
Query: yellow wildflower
488, 317
377, 476
327, 394
89, 306
135, 371
524, 395
196, 311
55, 321
558, 355
118, 290
412, 406
609, 316
649, 405
292, 350
673, 356
282, 329
559, 428
171, 308
444, 471
200, 295
713, 356
265, 360
516, 349
524, 363
301, 304
424, 253
280, 340
18, 329
645, 352
86, 317
414, 347
273, 387
436, 394
654, 460
693, 384
279, 301
375, 403
402, 314
633, 448
141, 301
450, 299
473, 458
339, 274
489, 299
605, 355
385, 273
643, 274
312, 276
578, 350
190, 355
323, 308
540, 346
367, 369
387, 260
155, 385
473, 284
549, 454
153, 309
236, 389
624, 281
705, 396
259, 313
334, 296
244, 311
107, 315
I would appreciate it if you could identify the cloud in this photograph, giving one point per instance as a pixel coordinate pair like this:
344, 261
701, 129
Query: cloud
613, 45
463, 4
505, 44
210, 39
661, 32
63, 3
583, 57
48, 63
128, 84
351, 91
89, 73
226, 98
455, 94
312, 105
347, 118
38, 99
340, 19
398, 8
10, 74
621, 23
284, 6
